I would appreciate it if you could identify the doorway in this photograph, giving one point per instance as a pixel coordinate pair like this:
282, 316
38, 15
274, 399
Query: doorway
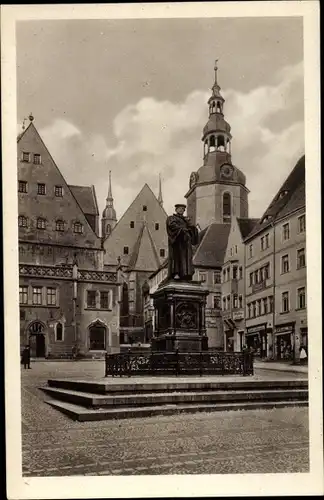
40, 345
37, 340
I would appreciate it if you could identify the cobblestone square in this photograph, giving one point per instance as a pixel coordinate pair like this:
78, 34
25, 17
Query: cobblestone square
251, 441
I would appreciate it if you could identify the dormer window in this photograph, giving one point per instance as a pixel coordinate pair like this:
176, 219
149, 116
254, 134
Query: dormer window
282, 194
37, 159
59, 225
266, 218
25, 156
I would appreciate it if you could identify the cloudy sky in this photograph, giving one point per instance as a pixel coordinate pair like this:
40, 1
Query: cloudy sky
130, 96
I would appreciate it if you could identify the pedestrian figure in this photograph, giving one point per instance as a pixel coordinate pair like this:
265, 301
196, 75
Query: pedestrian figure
302, 354
25, 357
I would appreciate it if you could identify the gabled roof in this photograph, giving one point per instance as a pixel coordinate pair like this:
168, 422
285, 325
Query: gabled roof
289, 198
246, 226
86, 197
144, 256
212, 247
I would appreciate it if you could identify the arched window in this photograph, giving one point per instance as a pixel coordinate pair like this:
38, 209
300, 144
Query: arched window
220, 143
218, 107
59, 332
212, 143
213, 107
108, 229
226, 207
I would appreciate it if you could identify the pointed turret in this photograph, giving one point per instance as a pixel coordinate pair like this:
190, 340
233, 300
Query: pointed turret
109, 218
160, 198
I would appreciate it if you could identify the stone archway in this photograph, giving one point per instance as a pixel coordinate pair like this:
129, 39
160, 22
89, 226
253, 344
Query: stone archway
36, 332
97, 336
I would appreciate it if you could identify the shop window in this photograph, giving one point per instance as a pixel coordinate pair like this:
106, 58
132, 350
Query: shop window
285, 302
91, 299
23, 294
301, 258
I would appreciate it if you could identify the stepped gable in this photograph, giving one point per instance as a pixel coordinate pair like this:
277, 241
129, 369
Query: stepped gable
141, 229
212, 248
289, 198
52, 208
246, 226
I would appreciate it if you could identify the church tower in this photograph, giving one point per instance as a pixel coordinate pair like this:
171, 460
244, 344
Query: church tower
217, 191
109, 218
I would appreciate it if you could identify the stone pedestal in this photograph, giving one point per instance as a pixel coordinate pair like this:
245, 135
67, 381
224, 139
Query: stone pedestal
179, 308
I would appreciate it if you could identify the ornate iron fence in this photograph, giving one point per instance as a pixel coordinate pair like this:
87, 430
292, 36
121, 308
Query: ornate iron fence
179, 363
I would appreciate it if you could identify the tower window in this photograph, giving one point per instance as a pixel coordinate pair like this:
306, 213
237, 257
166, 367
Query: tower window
58, 191
226, 207
162, 252
125, 250
157, 226
221, 143
37, 159
212, 143
22, 187
108, 229
132, 224
218, 107
205, 147
59, 225
41, 188
144, 208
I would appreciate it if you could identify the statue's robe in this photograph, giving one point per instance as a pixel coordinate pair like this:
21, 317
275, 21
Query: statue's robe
182, 235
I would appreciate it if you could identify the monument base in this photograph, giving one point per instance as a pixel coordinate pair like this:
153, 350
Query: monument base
180, 317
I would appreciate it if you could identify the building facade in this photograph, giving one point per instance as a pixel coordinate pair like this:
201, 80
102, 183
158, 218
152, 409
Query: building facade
137, 246
275, 274
67, 301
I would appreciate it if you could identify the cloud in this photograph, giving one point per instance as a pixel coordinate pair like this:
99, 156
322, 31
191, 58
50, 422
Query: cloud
152, 137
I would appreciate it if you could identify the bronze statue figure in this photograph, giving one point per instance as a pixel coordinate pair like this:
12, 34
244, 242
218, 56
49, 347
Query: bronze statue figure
182, 235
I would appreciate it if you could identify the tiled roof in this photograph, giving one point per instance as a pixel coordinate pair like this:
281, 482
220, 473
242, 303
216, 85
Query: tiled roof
289, 197
85, 196
246, 226
212, 248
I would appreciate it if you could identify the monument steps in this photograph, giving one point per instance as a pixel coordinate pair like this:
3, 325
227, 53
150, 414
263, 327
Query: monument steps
92, 400
107, 399
82, 414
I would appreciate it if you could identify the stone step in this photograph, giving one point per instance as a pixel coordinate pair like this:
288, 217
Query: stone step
128, 385
87, 399
90, 414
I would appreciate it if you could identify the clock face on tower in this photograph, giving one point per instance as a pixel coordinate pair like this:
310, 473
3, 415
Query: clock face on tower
193, 179
227, 171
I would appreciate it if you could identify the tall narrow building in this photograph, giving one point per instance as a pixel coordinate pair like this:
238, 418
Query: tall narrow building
217, 191
109, 219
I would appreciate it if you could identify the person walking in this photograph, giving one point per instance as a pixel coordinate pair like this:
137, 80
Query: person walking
302, 355
25, 357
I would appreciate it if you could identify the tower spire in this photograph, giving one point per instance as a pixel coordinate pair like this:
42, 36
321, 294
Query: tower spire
160, 198
109, 197
215, 69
